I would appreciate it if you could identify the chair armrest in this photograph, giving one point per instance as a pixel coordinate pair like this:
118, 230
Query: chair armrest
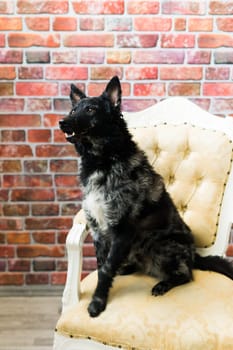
74, 244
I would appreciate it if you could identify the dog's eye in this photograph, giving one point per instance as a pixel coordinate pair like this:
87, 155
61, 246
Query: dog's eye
91, 110
72, 112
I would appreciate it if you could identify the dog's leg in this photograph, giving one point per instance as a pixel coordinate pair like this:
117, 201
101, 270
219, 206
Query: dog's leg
164, 286
118, 252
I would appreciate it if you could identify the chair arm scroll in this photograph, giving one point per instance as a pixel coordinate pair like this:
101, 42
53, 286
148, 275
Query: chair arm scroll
74, 244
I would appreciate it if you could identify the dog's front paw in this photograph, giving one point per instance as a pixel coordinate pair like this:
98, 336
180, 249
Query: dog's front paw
160, 288
95, 307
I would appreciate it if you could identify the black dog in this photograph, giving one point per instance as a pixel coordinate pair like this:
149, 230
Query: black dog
134, 222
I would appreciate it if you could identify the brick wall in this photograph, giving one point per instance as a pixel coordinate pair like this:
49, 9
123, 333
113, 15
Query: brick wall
157, 48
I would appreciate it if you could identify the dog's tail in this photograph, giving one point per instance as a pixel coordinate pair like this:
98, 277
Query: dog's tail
214, 263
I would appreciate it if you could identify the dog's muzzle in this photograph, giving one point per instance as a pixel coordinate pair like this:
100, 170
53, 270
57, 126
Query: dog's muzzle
69, 133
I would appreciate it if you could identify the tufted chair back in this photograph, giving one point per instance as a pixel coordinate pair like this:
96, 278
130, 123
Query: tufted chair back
195, 164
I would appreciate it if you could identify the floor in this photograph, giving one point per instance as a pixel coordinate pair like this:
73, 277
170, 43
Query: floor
27, 323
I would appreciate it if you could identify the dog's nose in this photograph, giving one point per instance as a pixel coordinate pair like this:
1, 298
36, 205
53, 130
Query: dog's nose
61, 122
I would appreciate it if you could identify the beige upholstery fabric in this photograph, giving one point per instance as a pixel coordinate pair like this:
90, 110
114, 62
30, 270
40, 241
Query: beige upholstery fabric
194, 163
195, 316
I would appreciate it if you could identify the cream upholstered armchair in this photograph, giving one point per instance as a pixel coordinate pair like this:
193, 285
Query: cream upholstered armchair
193, 151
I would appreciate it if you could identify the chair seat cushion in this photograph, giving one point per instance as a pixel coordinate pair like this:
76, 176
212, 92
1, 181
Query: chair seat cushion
197, 315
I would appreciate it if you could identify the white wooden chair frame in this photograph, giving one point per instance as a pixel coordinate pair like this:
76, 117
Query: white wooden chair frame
175, 110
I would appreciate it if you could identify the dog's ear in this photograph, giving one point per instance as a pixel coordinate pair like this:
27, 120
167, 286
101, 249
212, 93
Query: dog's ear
75, 94
113, 91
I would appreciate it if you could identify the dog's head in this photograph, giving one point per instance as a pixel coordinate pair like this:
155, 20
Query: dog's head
89, 115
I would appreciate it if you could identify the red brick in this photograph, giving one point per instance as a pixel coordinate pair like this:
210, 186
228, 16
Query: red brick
70, 209
217, 73
12, 151
89, 40
133, 105
64, 166
222, 105
137, 40
62, 105
6, 89
180, 24
35, 166
159, 56
88, 249
36, 89
51, 120
7, 72
37, 23
3, 265
18, 238
30, 72
11, 224
38, 56
66, 180
33, 39
158, 24
221, 7
58, 278
105, 72
2, 40
27, 181
11, 56
61, 237
177, 40
19, 120
39, 135
58, 136
61, 265
89, 264
43, 6
14, 279
200, 24
7, 252
29, 195
55, 151
38, 104
64, 57
198, 57
184, 89
92, 57
16, 209
98, 7
97, 88
46, 237
229, 251
36, 250
13, 136
19, 265
48, 223
225, 24
90, 23
143, 7
183, 7
138, 73
215, 40
6, 7
7, 23
44, 265
66, 194
37, 278
66, 73
65, 23
181, 73
218, 89
4, 195
149, 89
45, 209
118, 57
10, 166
